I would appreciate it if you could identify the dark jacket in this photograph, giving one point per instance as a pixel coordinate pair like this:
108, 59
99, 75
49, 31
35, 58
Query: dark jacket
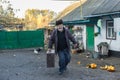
54, 39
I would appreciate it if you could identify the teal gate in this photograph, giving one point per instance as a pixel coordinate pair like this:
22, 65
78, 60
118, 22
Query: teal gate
21, 39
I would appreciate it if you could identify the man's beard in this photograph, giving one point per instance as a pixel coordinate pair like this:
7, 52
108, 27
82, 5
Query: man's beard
60, 29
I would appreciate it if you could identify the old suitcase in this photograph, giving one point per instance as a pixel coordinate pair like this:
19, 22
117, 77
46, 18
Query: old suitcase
50, 59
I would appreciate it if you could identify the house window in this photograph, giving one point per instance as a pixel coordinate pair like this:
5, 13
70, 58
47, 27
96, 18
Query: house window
110, 34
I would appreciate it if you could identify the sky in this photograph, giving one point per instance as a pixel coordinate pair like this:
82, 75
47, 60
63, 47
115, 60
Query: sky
23, 5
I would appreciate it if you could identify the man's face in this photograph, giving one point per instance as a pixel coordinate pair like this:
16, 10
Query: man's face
60, 27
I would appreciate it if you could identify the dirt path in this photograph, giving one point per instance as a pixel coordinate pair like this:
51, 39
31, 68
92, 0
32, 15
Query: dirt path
26, 65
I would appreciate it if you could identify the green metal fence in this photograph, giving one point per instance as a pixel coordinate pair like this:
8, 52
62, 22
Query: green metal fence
21, 39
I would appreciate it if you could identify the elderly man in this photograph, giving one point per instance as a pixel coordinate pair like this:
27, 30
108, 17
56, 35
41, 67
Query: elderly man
60, 38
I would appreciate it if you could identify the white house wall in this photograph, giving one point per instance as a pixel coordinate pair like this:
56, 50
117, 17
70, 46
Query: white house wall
115, 44
83, 33
84, 36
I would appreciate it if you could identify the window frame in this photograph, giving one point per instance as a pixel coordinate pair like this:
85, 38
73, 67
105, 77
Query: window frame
107, 37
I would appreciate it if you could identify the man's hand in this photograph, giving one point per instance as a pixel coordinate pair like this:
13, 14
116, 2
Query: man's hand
49, 50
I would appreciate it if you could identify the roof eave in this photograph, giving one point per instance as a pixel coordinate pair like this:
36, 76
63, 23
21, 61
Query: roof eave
102, 14
76, 22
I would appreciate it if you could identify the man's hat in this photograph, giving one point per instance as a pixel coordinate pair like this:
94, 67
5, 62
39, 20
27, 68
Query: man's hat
58, 22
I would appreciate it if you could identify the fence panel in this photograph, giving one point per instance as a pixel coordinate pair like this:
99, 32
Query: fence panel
21, 39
